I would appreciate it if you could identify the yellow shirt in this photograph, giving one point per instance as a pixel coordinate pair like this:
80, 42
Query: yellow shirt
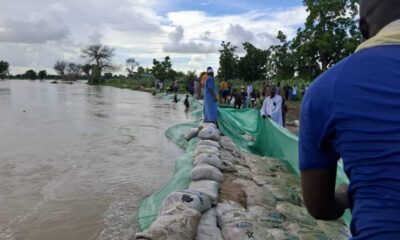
224, 85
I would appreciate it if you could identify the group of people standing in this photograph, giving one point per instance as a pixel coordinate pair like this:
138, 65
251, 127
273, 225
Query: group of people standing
269, 100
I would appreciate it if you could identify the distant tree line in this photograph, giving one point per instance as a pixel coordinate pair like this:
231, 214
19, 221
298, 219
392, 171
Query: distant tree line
330, 34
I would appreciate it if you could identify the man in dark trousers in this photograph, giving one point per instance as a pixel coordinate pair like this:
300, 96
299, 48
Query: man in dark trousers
352, 112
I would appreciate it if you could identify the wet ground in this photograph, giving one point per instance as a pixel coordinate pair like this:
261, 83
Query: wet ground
76, 160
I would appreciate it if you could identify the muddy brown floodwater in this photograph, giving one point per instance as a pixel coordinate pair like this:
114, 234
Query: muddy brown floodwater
76, 160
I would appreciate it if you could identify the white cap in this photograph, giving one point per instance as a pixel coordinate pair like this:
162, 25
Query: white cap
210, 70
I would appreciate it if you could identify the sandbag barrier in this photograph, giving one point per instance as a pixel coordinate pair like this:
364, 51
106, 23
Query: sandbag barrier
235, 195
181, 215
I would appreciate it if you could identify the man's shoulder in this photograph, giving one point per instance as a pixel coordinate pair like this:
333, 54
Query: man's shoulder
326, 82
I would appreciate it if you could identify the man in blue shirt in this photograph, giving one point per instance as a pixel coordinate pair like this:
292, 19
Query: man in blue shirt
210, 110
352, 112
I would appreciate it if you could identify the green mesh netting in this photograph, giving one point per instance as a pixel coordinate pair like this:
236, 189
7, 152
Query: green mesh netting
270, 139
150, 207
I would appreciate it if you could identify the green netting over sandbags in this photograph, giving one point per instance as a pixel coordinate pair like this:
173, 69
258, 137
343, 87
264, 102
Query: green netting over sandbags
266, 138
150, 207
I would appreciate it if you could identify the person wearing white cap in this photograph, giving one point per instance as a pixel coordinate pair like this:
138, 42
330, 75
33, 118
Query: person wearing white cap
210, 98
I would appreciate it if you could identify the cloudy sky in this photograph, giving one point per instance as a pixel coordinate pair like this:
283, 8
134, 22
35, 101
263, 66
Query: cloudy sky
36, 33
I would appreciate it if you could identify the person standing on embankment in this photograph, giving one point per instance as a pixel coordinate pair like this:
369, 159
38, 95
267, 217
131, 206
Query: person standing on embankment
352, 112
272, 107
210, 98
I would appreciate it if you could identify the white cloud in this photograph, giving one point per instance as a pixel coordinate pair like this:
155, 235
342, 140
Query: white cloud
177, 45
34, 34
41, 30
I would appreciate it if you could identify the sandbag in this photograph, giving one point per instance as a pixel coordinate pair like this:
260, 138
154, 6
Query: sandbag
206, 150
206, 172
209, 134
334, 229
290, 181
209, 143
242, 172
207, 229
207, 125
256, 195
191, 133
306, 232
295, 213
285, 194
229, 157
278, 234
263, 166
209, 159
249, 137
179, 222
227, 144
193, 199
261, 180
236, 224
208, 187
266, 217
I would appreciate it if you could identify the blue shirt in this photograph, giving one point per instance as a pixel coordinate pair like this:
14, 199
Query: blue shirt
352, 111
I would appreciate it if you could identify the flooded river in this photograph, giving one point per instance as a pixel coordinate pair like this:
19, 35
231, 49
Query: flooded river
76, 160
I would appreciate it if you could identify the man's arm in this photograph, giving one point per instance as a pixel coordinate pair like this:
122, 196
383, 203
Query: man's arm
320, 198
263, 111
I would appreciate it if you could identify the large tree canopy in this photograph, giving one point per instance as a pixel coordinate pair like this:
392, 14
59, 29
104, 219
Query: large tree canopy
131, 65
98, 54
59, 67
330, 34
163, 70
228, 61
4, 69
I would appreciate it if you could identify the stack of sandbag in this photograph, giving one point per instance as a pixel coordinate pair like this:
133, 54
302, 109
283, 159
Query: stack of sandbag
237, 224
271, 207
181, 211
208, 229
178, 222
191, 133
206, 174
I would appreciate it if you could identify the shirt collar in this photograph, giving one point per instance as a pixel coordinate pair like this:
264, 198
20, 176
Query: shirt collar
389, 35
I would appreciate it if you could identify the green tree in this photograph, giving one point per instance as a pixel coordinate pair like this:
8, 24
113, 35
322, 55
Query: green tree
228, 61
42, 74
131, 65
60, 67
163, 70
30, 74
252, 66
86, 69
73, 70
101, 56
282, 62
330, 34
141, 70
4, 66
